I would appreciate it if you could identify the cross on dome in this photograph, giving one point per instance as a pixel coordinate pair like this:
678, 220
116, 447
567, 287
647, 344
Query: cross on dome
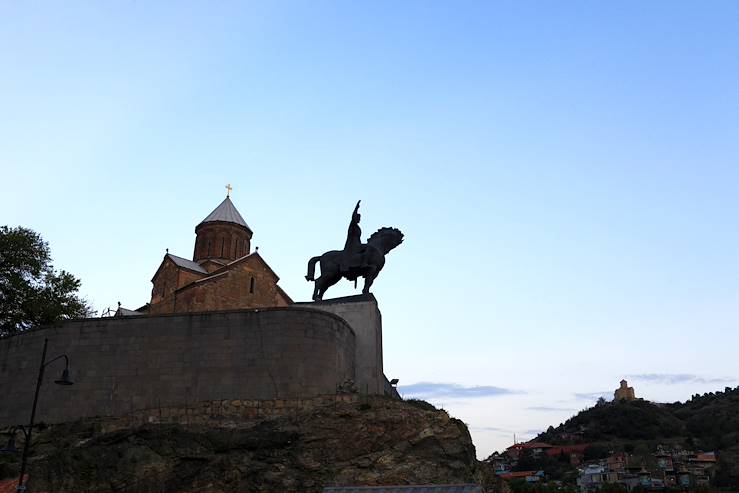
228, 190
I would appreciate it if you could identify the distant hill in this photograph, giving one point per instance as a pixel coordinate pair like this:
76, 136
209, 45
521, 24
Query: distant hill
708, 422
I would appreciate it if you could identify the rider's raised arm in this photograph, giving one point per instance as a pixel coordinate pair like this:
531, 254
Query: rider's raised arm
355, 215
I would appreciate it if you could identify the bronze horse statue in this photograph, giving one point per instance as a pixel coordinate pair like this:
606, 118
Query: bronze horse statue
356, 260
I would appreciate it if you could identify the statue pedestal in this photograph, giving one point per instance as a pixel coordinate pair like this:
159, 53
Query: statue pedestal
363, 315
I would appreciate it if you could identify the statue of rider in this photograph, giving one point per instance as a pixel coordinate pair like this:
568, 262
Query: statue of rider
353, 249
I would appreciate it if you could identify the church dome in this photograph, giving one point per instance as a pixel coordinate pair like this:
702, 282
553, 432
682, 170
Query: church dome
223, 235
226, 212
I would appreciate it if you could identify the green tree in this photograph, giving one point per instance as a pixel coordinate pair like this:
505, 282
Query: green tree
32, 293
596, 452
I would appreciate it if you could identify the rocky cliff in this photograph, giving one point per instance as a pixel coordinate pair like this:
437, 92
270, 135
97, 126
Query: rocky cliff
375, 441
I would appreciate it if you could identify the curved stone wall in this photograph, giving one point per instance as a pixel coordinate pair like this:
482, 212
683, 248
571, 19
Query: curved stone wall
120, 365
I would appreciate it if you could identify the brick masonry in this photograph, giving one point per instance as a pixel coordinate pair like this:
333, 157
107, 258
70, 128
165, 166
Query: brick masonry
226, 412
123, 365
243, 284
246, 284
222, 241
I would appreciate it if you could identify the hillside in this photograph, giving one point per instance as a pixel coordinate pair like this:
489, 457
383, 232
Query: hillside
378, 441
708, 422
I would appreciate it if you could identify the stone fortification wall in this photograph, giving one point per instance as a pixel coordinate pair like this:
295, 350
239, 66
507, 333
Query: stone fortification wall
227, 412
363, 314
122, 365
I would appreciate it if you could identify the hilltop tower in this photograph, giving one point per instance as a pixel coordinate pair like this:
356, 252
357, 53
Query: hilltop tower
624, 392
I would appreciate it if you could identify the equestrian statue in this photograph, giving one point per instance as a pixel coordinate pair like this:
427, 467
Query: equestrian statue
356, 260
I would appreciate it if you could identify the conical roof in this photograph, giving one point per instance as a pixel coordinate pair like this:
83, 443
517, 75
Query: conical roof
226, 212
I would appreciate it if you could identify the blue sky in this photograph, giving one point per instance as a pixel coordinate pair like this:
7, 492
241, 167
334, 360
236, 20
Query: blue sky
566, 175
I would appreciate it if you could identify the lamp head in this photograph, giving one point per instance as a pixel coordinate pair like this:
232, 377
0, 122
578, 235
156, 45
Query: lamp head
64, 380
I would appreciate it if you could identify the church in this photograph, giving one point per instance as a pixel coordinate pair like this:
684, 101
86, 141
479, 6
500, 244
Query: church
224, 274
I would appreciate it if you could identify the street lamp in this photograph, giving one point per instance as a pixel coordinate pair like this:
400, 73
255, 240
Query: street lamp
63, 380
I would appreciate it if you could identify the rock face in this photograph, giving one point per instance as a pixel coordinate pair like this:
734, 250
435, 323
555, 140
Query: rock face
378, 441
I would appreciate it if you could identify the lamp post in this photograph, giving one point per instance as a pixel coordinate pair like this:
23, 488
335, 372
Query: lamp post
64, 380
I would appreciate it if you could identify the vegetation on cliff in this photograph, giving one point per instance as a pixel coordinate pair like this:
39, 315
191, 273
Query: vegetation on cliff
377, 441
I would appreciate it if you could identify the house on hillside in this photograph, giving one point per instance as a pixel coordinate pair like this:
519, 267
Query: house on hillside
528, 476
500, 462
575, 453
592, 477
535, 448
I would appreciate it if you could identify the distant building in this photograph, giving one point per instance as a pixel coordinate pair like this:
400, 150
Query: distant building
592, 476
624, 392
671, 468
535, 448
501, 463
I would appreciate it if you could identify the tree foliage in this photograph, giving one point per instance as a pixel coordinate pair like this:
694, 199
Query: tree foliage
630, 420
32, 293
555, 468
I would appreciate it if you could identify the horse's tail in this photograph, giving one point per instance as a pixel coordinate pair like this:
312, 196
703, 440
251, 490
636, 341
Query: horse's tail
312, 268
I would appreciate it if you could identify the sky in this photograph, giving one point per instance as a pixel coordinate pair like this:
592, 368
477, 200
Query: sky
565, 174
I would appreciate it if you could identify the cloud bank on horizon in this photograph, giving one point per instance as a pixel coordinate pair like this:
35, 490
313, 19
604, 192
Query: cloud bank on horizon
435, 390
551, 409
678, 378
593, 396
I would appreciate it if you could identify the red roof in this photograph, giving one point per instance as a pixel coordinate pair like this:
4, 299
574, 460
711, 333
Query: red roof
530, 445
707, 457
518, 474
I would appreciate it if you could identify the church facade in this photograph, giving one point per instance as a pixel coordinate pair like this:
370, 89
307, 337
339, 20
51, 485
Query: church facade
224, 274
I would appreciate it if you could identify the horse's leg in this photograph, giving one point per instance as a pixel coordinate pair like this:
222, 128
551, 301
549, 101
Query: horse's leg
315, 289
329, 279
369, 278
318, 283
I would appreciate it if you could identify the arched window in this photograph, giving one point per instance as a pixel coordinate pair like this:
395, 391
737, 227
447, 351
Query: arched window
251, 285
210, 251
223, 245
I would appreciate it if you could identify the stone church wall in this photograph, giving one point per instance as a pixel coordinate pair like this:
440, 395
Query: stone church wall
247, 283
224, 241
122, 365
